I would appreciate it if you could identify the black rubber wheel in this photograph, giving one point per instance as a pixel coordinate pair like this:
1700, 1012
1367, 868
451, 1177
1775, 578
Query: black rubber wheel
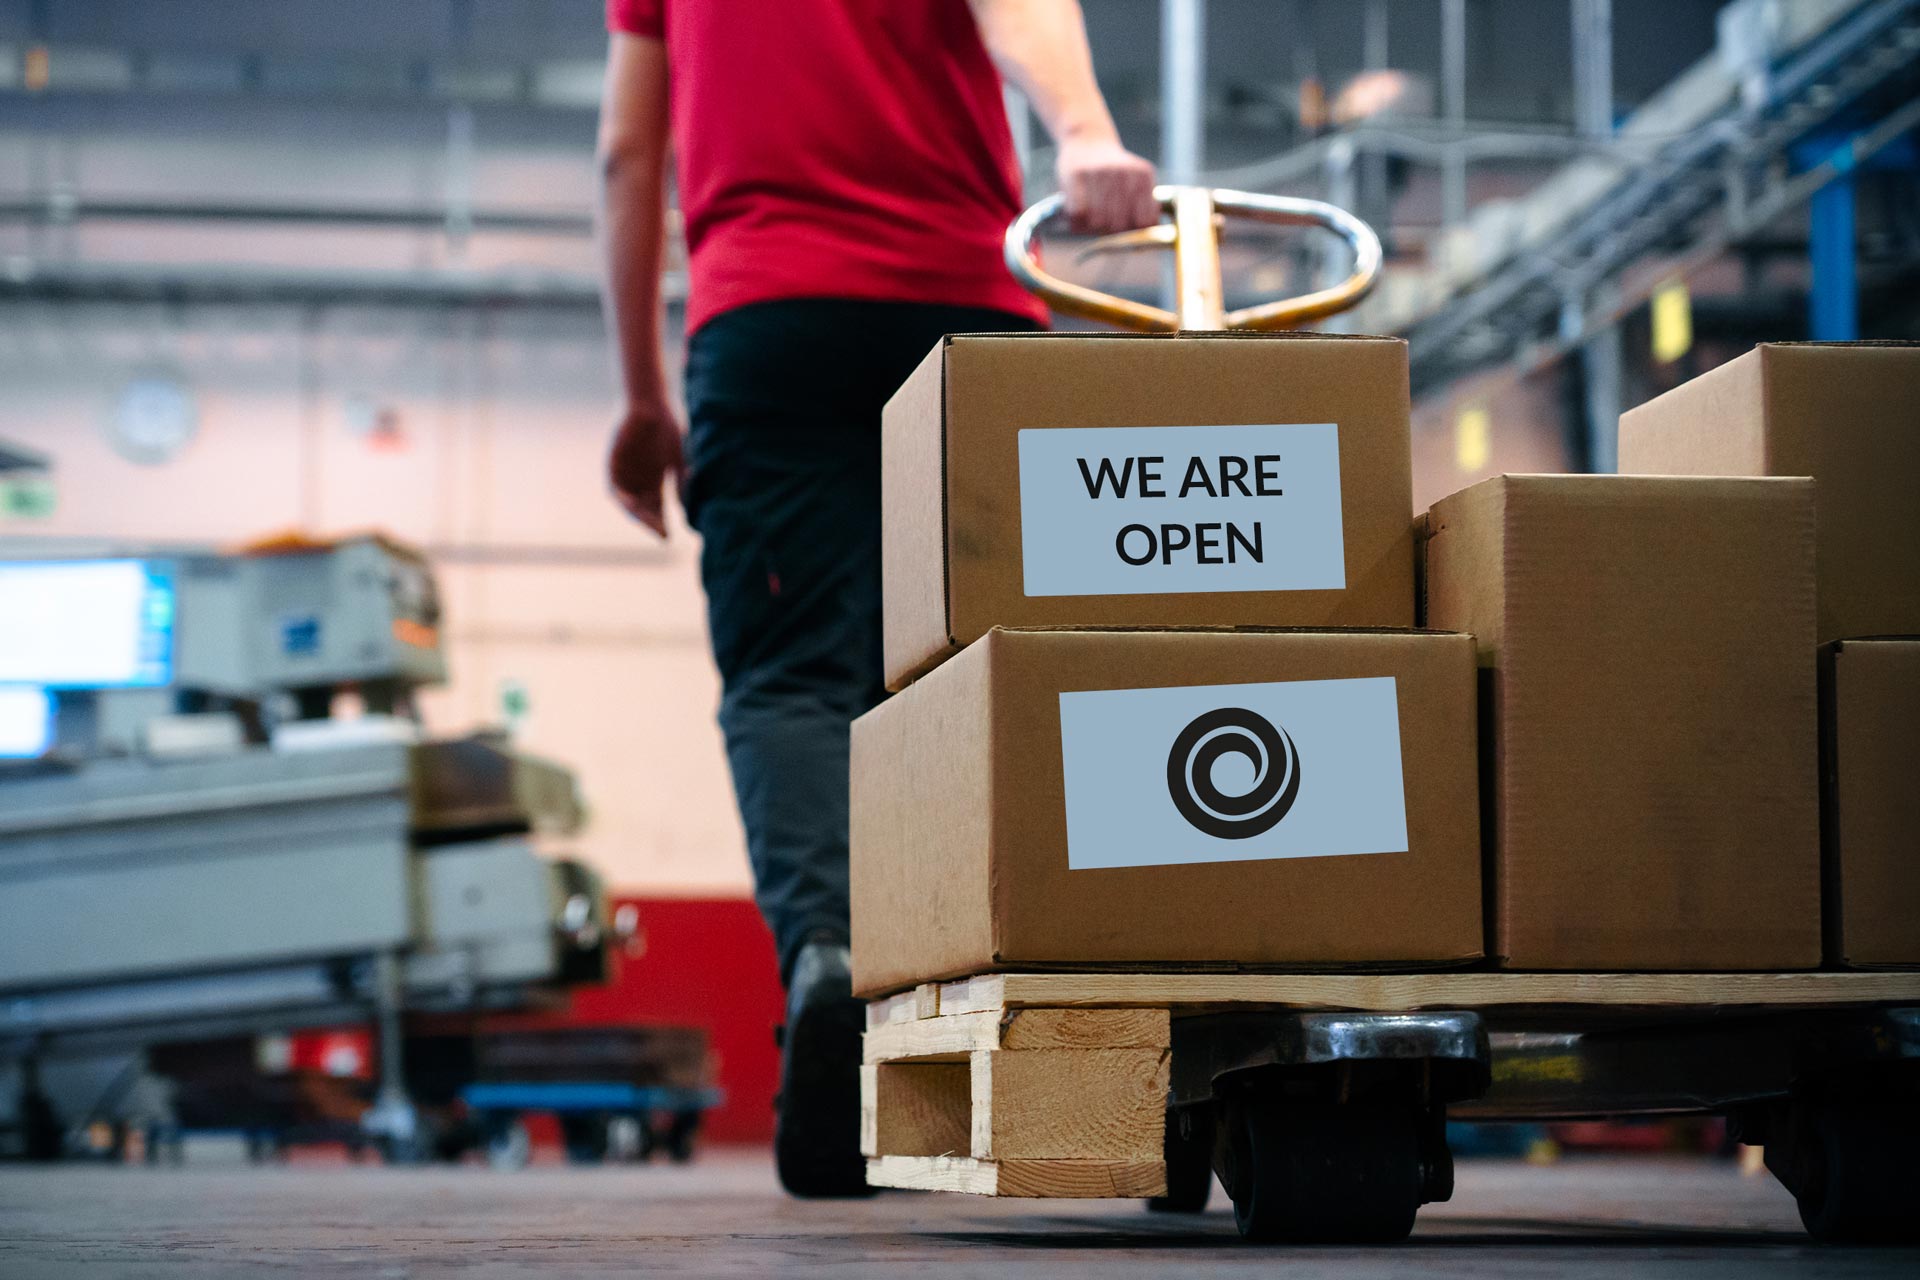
585, 1137
1321, 1172
678, 1140
43, 1137
649, 1138
1859, 1182
1189, 1155
508, 1144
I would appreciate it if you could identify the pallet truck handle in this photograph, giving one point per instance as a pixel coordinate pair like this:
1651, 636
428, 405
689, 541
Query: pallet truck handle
1193, 235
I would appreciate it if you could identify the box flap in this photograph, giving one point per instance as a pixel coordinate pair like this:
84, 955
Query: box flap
1871, 829
913, 532
920, 830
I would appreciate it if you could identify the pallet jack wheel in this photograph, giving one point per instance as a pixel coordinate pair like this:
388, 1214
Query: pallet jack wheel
44, 1139
1319, 1171
1856, 1181
1189, 1156
509, 1145
677, 1141
585, 1137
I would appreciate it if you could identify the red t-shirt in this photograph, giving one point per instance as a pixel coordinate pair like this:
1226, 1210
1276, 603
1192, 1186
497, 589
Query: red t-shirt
836, 149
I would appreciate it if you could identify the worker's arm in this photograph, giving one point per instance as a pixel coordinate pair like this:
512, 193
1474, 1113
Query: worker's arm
632, 156
1041, 46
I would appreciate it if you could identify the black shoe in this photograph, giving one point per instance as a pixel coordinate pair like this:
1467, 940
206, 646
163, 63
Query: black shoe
816, 1138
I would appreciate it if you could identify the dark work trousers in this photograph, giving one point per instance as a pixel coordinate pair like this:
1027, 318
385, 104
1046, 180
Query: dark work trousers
783, 448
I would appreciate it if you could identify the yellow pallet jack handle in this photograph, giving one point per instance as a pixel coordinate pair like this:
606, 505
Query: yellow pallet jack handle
1193, 235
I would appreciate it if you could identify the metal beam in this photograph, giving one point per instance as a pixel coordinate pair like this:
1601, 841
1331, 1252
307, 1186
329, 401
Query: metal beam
1833, 312
1600, 367
1373, 36
1183, 75
1682, 192
1453, 107
204, 284
63, 208
1593, 68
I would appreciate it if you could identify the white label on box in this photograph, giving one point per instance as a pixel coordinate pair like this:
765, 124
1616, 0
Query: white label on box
1232, 772
1152, 510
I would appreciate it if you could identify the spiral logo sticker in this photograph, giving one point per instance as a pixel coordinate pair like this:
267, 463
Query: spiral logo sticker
1229, 789
1233, 731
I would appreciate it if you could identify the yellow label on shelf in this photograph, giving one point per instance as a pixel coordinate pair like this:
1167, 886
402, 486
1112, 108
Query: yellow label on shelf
1672, 321
1472, 438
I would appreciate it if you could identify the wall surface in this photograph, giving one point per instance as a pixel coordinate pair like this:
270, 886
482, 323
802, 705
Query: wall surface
487, 450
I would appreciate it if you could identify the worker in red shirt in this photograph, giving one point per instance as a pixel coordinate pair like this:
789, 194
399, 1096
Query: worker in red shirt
845, 172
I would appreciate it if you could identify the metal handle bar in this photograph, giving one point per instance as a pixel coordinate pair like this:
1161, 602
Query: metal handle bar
1196, 246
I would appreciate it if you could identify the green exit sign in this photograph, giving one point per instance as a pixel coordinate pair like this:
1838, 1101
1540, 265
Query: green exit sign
27, 498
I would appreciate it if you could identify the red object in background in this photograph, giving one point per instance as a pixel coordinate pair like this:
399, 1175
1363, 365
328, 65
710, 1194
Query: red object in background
1684, 1134
697, 962
343, 1051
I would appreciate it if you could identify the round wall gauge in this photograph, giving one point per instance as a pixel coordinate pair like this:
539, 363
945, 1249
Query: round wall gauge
154, 418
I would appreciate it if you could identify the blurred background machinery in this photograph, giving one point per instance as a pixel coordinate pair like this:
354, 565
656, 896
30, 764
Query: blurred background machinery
193, 846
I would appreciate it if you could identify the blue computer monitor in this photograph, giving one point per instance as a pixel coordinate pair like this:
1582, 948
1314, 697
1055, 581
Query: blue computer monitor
86, 624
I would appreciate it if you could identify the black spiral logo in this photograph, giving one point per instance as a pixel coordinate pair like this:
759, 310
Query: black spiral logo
1237, 731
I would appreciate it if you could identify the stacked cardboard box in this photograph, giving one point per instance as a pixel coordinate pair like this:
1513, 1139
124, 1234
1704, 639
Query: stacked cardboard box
1849, 416
1650, 716
1148, 602
1133, 760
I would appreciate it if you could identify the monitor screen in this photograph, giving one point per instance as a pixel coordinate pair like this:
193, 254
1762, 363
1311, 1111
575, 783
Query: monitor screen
86, 624
26, 722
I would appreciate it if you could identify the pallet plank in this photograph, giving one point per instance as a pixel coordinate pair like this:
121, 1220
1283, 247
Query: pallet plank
1053, 1179
1069, 1104
1086, 1029
973, 995
921, 1002
955, 1036
1403, 992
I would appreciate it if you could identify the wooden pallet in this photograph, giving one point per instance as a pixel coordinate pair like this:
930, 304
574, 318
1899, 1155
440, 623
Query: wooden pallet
1055, 1084
1032, 1102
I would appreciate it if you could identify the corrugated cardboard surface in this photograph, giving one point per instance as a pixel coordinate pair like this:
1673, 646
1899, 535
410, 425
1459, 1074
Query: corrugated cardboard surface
918, 796
1847, 414
1871, 812
993, 386
919, 830
1652, 709
913, 522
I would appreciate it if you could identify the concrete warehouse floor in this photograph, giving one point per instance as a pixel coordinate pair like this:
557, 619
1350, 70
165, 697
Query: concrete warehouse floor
724, 1216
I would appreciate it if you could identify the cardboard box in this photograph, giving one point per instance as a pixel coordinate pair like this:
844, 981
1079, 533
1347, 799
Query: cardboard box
1266, 482
1650, 713
1870, 819
1847, 414
1091, 798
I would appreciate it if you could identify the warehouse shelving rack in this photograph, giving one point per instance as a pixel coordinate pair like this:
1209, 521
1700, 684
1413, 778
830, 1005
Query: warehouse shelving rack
1689, 199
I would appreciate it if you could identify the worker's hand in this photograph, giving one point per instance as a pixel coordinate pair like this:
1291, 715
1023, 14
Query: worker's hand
1108, 188
646, 456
